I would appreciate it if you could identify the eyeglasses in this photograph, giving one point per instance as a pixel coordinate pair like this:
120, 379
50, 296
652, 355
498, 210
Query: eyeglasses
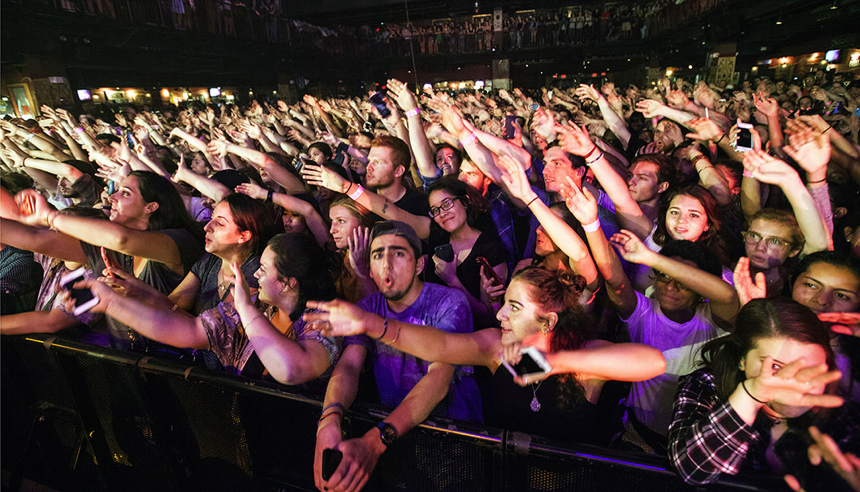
666, 279
445, 205
773, 243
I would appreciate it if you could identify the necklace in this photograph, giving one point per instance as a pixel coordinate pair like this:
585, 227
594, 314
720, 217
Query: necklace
535, 404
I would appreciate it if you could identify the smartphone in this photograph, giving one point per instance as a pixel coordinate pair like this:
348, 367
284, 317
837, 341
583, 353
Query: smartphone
445, 252
300, 162
509, 126
129, 137
368, 126
744, 142
549, 94
331, 459
378, 101
488, 270
532, 363
84, 298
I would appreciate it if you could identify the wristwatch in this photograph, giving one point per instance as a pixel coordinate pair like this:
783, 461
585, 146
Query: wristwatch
387, 433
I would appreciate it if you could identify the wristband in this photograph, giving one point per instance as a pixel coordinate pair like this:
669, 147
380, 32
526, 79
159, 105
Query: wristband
29, 137
333, 412
529, 204
384, 329
698, 158
79, 129
591, 227
269, 195
586, 156
471, 138
50, 218
720, 139
413, 112
599, 156
706, 167
748, 174
744, 386
357, 193
816, 182
828, 128
333, 405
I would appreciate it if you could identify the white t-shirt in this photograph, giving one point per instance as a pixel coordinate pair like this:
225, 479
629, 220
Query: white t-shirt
651, 400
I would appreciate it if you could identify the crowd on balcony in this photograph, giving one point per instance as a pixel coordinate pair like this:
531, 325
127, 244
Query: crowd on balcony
264, 20
511, 258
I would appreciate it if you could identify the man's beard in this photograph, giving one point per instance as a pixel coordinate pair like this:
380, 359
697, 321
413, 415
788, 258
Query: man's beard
397, 295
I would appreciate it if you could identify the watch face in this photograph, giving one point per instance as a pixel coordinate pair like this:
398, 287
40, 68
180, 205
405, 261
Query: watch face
387, 433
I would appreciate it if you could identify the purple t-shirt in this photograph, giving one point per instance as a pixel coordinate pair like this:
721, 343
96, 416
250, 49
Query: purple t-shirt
397, 373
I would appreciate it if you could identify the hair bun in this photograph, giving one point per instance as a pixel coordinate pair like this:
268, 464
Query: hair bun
572, 282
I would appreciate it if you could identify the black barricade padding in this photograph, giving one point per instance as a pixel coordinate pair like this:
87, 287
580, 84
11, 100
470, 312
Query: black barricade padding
143, 423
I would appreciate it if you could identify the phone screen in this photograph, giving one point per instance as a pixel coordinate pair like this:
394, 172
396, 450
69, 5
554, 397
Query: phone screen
378, 102
527, 365
745, 138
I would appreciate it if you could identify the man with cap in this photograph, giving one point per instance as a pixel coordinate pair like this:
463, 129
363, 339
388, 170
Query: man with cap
412, 387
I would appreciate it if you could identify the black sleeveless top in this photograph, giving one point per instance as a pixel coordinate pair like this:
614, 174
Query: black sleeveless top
512, 409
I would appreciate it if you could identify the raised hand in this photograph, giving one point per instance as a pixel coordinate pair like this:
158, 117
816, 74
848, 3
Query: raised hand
515, 179
358, 243
324, 177
845, 323
677, 99
34, 208
587, 92
218, 147
398, 91
767, 105
768, 169
744, 284
575, 139
630, 247
650, 108
253, 190
580, 202
825, 449
241, 290
809, 148
796, 384
705, 129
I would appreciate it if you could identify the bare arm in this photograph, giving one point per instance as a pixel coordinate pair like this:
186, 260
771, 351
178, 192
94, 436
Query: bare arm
36, 322
321, 176
630, 215
599, 359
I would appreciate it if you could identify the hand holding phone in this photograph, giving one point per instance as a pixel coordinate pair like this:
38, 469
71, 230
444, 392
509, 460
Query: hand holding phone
331, 459
744, 143
532, 363
84, 298
445, 252
488, 270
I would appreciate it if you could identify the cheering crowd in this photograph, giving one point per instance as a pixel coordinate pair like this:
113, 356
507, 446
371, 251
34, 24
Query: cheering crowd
695, 247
